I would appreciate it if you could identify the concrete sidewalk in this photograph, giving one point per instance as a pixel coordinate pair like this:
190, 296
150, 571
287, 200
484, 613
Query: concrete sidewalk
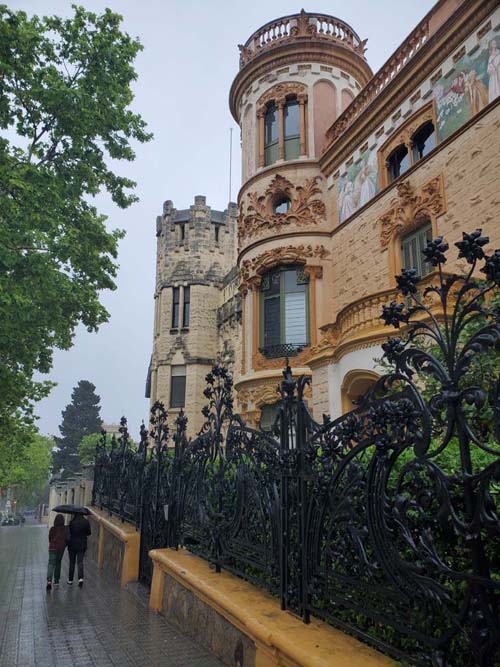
99, 624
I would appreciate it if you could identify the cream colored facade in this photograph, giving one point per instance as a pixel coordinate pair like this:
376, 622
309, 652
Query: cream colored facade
349, 209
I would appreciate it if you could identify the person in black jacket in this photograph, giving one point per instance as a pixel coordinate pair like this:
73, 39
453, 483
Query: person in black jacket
79, 530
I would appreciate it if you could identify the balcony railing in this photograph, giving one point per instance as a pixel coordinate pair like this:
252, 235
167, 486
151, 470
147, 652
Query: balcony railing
283, 350
299, 26
400, 58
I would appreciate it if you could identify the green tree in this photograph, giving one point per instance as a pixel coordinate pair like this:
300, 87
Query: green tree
65, 95
80, 418
86, 448
29, 473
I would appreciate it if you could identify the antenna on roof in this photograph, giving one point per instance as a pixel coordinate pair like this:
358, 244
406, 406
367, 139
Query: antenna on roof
230, 158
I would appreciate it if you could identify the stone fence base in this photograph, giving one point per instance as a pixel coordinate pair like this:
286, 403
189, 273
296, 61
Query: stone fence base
114, 545
243, 625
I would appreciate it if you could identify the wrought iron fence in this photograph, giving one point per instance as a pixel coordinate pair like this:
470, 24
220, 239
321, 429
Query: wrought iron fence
384, 522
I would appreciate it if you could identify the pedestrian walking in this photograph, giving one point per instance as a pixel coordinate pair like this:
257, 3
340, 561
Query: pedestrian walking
79, 530
58, 539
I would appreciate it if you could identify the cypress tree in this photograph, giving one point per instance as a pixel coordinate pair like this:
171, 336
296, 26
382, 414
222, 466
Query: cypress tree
79, 418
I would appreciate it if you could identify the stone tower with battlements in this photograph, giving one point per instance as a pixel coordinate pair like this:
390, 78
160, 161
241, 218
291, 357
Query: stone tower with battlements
196, 250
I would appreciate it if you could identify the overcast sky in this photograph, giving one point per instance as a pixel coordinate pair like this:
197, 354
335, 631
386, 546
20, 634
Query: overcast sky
189, 60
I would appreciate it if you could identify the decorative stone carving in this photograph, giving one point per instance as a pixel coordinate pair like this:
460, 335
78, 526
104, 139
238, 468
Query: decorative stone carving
279, 93
262, 363
410, 208
252, 268
305, 208
265, 394
303, 28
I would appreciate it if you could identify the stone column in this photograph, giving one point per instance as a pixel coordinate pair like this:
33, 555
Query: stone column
281, 131
260, 116
302, 117
313, 273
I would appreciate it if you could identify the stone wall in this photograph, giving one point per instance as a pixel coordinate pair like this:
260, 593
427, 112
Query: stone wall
203, 624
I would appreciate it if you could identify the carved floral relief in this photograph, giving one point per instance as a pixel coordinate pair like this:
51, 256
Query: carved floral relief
305, 208
252, 268
410, 208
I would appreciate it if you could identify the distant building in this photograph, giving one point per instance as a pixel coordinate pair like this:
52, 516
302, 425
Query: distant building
346, 175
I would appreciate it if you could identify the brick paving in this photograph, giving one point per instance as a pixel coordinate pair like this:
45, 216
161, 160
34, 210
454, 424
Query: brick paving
99, 625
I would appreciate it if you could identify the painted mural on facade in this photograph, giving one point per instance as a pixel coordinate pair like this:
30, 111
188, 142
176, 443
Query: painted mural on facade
358, 185
474, 84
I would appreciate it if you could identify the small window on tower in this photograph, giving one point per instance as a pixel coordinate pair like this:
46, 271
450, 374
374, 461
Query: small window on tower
186, 307
281, 205
216, 231
175, 307
182, 232
178, 387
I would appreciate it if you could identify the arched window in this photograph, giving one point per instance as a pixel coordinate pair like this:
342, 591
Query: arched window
282, 124
271, 136
354, 387
284, 312
411, 142
397, 162
291, 123
423, 141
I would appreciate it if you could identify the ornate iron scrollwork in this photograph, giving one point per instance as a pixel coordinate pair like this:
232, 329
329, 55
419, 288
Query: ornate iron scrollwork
384, 522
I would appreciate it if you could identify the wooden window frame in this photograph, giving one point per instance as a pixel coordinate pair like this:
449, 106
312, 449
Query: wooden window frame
282, 269
280, 99
402, 136
405, 238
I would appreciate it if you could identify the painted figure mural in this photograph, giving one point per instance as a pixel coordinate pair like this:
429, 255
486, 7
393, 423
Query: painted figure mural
494, 70
358, 186
476, 84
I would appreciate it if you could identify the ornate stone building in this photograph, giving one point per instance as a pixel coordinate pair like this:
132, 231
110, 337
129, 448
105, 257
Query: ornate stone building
196, 256
345, 175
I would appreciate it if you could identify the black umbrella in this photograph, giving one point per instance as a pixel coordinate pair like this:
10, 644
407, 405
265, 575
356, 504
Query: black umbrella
71, 509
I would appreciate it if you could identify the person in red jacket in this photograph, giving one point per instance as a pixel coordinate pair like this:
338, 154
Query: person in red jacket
58, 540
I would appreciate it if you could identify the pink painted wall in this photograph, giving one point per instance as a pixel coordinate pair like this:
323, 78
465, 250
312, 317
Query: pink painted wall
325, 112
347, 98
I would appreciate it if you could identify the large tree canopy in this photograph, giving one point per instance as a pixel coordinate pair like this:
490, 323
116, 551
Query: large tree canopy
65, 91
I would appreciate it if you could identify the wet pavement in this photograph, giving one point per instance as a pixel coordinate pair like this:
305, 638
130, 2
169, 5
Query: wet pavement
97, 625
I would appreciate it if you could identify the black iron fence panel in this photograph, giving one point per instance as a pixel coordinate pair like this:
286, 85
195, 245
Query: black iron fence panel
384, 522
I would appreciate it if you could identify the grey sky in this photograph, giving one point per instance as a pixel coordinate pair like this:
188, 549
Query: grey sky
185, 71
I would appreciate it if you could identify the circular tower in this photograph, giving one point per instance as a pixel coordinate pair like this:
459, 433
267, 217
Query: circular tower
297, 75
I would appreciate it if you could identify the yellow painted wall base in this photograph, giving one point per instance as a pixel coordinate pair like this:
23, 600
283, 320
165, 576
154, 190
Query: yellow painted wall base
280, 638
125, 533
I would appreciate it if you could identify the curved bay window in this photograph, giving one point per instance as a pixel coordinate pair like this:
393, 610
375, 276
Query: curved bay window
271, 137
284, 326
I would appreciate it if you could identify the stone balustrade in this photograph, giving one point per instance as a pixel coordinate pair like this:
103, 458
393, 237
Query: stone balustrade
300, 26
361, 320
410, 47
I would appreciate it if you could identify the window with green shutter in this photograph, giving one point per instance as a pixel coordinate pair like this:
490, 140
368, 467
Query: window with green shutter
284, 312
411, 250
